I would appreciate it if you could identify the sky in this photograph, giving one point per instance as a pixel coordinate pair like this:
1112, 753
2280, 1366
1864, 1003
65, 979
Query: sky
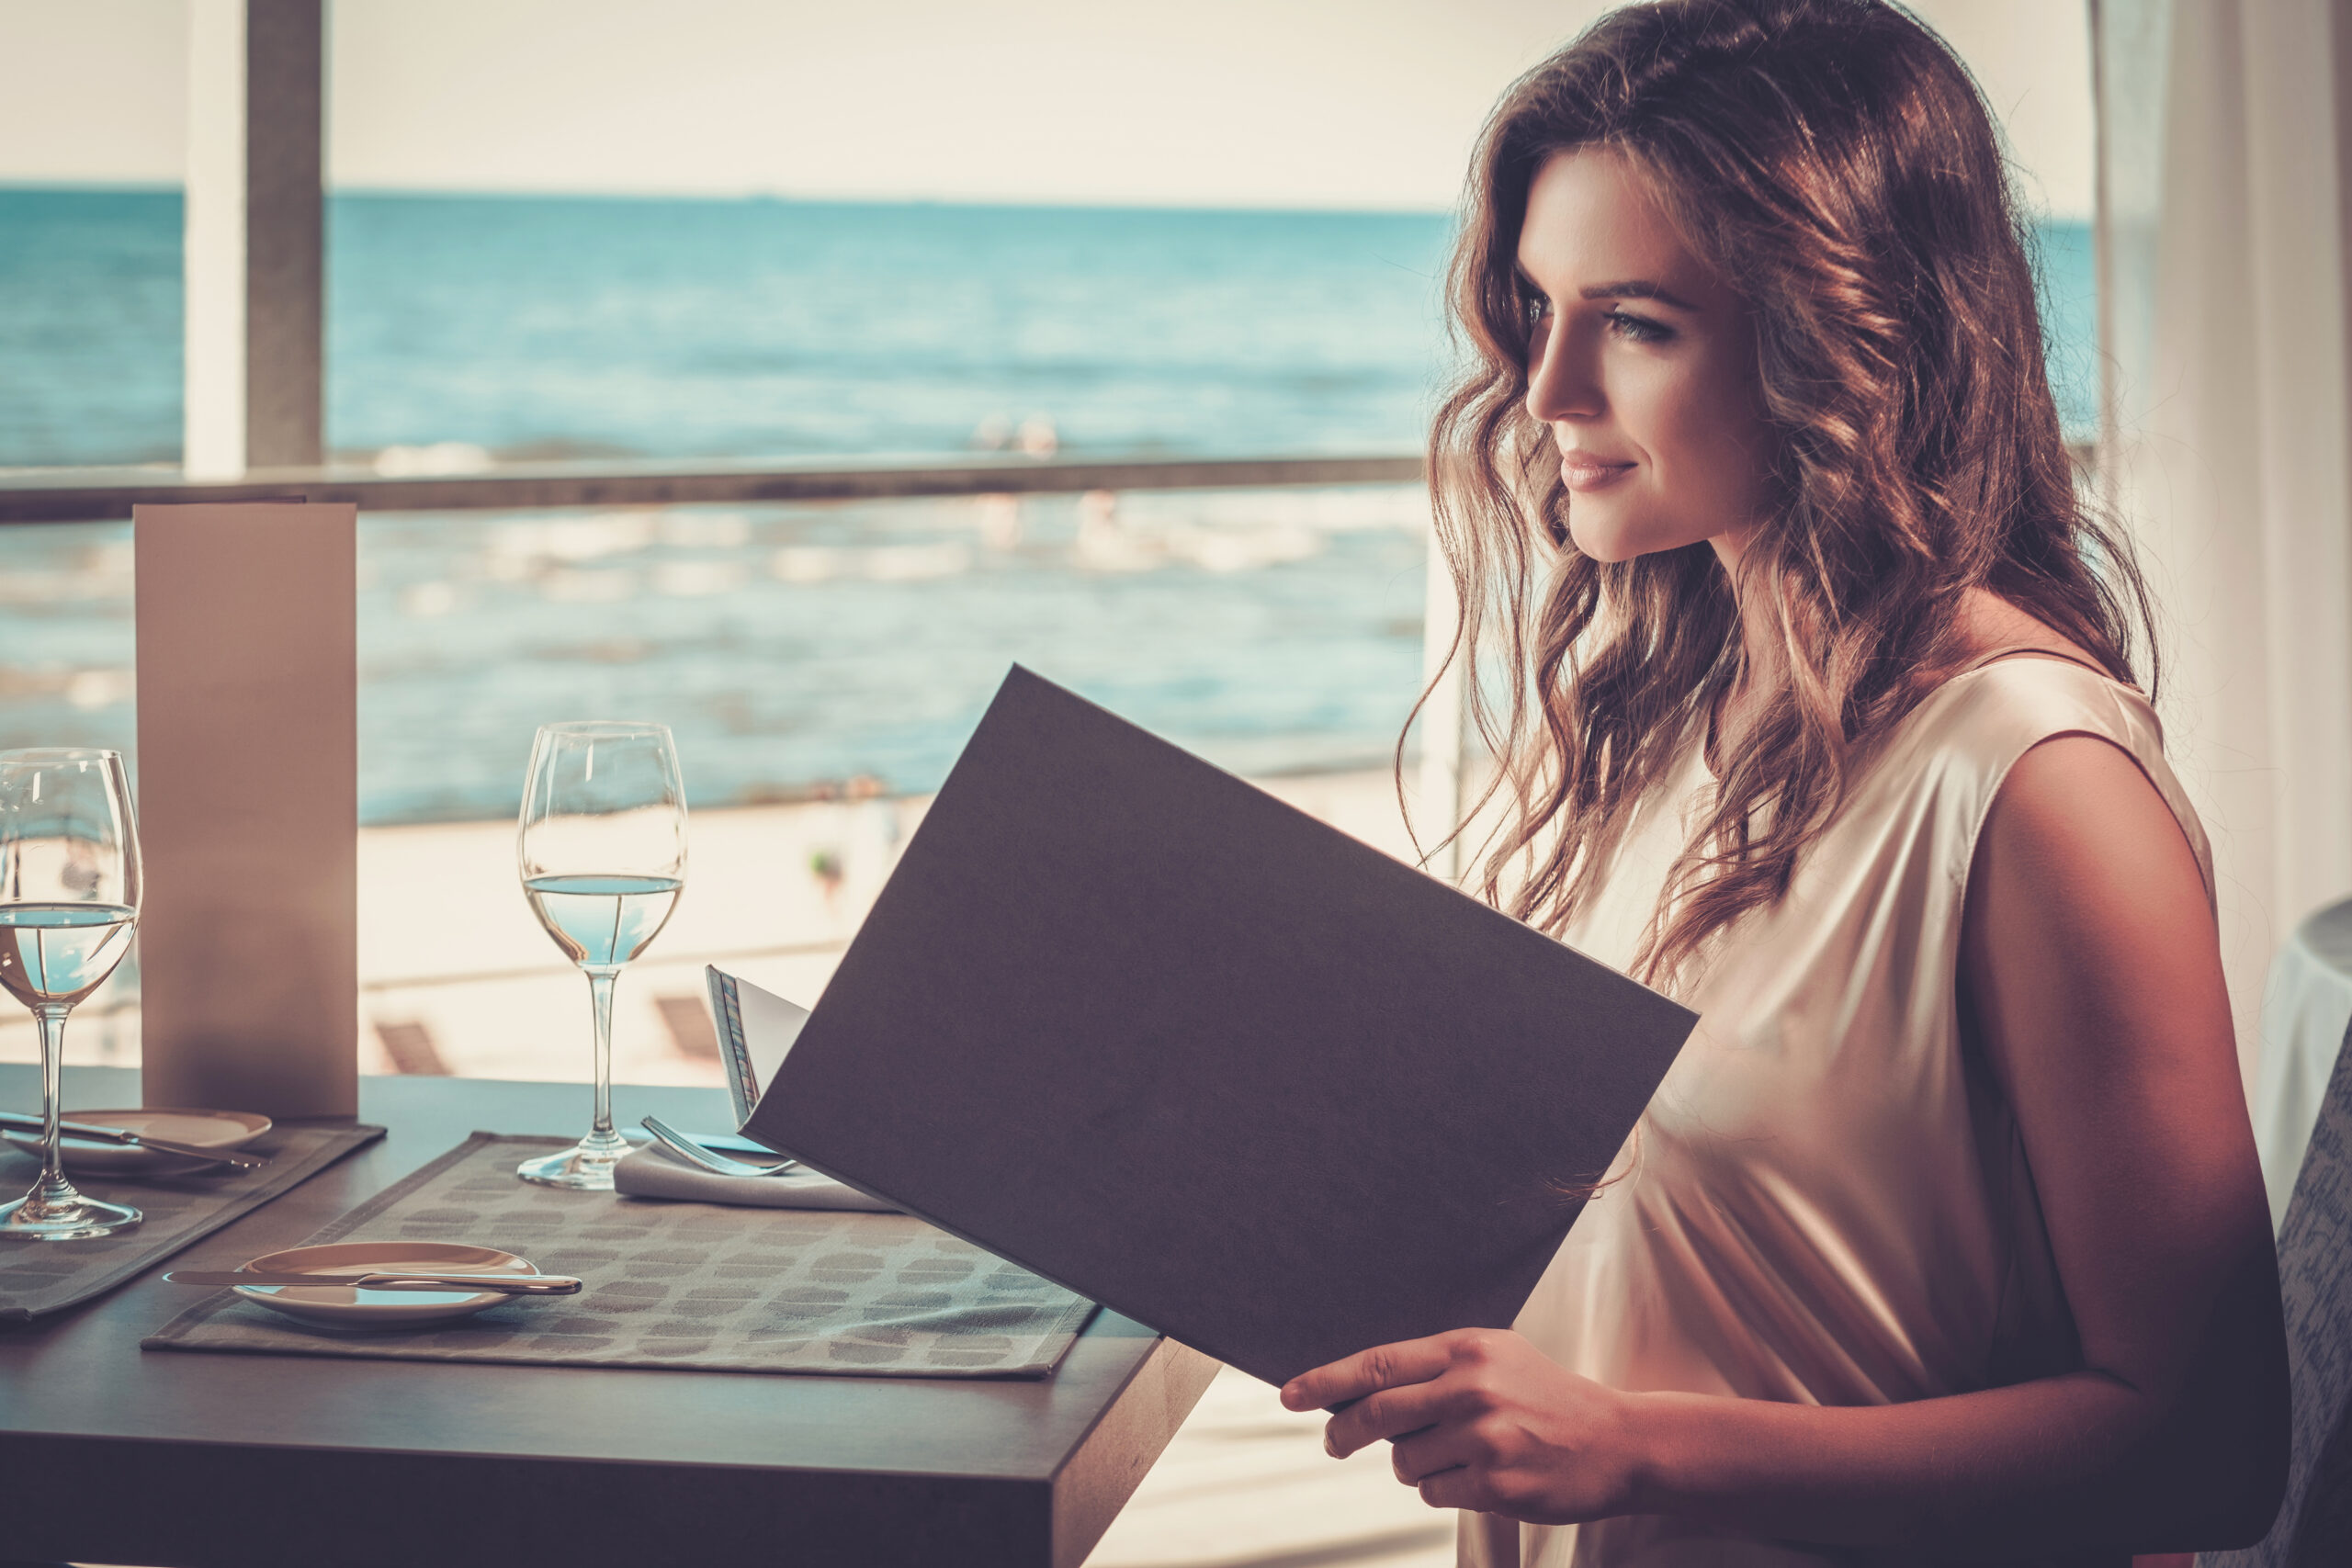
1363, 104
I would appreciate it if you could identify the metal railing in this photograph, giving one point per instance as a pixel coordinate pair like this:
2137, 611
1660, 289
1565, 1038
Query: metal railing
86, 495
238, 550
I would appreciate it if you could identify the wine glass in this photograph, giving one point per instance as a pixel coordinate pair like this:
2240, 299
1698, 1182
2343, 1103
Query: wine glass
601, 847
69, 899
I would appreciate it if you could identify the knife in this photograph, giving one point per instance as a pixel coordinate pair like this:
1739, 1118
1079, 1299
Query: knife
132, 1140
391, 1280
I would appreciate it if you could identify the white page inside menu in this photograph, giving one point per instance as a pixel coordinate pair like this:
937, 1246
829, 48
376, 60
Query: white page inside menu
756, 1027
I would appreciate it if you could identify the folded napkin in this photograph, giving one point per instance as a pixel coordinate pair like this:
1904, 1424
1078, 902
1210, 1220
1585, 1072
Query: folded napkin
651, 1173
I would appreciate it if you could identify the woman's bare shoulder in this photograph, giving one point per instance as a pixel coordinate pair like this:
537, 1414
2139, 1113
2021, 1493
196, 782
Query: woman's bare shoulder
2067, 762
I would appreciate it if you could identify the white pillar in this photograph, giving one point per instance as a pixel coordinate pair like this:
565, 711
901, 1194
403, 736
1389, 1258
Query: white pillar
255, 241
214, 262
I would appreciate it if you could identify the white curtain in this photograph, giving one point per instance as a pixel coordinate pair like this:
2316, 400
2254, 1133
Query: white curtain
2222, 301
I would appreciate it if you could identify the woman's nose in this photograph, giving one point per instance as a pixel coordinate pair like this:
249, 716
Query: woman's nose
1560, 380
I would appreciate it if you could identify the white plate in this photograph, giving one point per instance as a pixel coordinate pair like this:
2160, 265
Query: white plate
203, 1129
341, 1306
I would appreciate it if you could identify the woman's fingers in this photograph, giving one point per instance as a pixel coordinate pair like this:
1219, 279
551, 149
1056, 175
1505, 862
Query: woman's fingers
1415, 1458
1367, 1371
1390, 1413
1449, 1466
1455, 1467
1457, 1488
1481, 1419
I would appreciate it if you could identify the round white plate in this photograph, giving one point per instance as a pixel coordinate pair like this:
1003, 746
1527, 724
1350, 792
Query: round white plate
341, 1306
202, 1129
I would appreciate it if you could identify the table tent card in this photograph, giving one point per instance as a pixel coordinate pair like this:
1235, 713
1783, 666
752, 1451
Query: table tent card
1132, 1023
755, 1029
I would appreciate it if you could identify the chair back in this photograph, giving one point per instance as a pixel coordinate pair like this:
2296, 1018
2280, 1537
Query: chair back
2314, 1525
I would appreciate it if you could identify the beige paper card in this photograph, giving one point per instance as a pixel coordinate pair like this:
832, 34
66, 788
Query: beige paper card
248, 806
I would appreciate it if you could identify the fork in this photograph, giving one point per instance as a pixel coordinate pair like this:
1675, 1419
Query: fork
693, 1154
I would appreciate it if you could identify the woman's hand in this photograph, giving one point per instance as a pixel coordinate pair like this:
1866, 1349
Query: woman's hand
1481, 1419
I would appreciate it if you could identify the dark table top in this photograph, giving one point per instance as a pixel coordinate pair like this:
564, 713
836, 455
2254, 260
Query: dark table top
112, 1454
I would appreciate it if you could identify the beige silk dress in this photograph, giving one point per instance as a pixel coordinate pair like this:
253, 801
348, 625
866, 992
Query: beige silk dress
1827, 1200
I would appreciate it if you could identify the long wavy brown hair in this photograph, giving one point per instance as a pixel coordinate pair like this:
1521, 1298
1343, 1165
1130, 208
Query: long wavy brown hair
1833, 161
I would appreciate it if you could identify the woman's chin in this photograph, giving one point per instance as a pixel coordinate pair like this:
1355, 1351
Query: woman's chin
1609, 545
1606, 545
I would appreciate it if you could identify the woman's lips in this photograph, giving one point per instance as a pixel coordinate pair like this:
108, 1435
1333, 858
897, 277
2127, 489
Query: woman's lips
1583, 474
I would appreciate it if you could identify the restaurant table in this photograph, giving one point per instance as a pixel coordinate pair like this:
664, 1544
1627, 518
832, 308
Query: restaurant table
109, 1454
2306, 1007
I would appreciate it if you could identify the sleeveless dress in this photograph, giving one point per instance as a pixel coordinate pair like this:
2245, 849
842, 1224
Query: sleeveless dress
1827, 1200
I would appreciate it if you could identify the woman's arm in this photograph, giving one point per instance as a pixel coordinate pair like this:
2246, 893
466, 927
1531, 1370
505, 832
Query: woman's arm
2090, 969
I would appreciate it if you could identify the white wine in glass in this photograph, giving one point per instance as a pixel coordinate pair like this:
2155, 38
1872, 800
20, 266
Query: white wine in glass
69, 901
602, 848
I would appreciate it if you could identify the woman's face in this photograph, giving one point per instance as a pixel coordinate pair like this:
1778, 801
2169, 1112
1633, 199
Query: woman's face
1642, 364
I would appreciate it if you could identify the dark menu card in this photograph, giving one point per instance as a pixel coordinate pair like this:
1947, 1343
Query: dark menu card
1139, 1026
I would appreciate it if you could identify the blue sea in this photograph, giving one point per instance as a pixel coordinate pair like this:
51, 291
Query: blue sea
796, 650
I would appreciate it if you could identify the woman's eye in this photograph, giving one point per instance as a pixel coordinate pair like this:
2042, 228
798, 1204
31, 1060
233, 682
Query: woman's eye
1534, 307
1638, 329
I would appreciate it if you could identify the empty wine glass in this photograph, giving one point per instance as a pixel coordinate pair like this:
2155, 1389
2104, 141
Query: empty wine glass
601, 847
69, 899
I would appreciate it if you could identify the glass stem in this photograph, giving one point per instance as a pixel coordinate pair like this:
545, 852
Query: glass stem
600, 988
53, 1185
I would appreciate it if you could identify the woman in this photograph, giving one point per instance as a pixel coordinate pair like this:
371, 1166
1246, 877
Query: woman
1944, 1236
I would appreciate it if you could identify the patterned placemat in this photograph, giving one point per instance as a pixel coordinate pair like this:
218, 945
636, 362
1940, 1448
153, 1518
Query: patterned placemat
38, 1278
678, 1284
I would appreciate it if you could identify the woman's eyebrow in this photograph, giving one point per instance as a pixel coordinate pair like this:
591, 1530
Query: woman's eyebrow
1636, 288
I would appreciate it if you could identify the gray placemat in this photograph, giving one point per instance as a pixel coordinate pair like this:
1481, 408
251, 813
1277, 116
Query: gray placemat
38, 1278
696, 1286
